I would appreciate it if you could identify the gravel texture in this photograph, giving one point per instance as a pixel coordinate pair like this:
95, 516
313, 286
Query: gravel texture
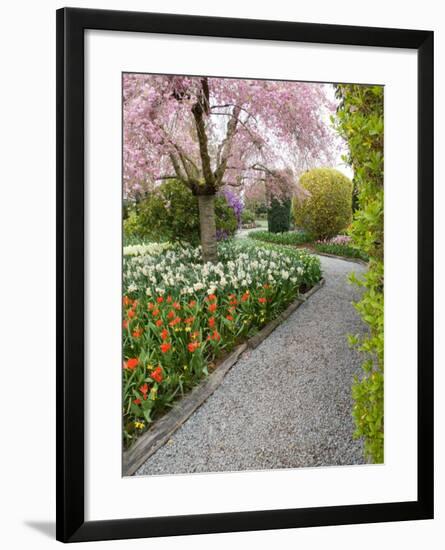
286, 404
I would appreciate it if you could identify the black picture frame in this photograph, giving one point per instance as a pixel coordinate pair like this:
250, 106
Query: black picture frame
71, 524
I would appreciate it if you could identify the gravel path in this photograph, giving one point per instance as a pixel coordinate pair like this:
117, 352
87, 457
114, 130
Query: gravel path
286, 404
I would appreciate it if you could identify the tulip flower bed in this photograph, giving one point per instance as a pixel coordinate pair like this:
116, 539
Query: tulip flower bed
180, 316
341, 245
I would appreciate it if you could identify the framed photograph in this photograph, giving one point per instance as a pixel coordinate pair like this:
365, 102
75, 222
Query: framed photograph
244, 275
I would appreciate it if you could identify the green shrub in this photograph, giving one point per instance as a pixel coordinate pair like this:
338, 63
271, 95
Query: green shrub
132, 226
247, 216
340, 250
278, 215
171, 214
261, 211
289, 238
226, 220
360, 122
328, 209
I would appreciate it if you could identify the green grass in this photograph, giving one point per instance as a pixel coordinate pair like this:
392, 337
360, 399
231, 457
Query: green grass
288, 238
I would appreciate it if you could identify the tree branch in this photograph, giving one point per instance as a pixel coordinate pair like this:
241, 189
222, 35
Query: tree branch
227, 146
248, 130
197, 111
177, 168
232, 105
170, 177
206, 95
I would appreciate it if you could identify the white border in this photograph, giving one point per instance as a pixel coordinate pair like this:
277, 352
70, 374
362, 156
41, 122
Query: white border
108, 495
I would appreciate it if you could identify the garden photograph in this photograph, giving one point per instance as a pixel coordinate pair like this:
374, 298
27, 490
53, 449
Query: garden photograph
252, 274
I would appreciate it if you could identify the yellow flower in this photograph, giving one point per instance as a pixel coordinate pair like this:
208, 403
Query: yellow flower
150, 367
154, 394
139, 425
187, 329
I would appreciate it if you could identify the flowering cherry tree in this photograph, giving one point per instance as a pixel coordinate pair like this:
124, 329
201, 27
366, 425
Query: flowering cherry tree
211, 133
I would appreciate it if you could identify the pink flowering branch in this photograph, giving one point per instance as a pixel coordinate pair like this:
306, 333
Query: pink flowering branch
174, 125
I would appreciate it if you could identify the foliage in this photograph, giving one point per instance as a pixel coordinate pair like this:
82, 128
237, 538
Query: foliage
328, 208
133, 227
340, 250
226, 217
360, 122
236, 204
261, 211
171, 213
248, 216
341, 245
255, 198
289, 238
181, 315
278, 215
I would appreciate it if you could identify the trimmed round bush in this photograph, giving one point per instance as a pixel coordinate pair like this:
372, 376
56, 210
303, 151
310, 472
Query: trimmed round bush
328, 209
171, 214
278, 216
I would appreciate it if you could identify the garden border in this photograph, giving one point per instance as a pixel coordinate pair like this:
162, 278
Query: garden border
335, 256
165, 427
312, 250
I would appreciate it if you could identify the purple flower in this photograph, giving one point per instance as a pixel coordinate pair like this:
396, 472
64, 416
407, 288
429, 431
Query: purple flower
221, 235
235, 203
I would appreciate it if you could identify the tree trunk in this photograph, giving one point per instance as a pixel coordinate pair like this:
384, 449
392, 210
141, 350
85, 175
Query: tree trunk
208, 227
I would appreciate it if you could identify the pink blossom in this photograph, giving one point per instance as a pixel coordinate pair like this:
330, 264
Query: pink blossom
281, 130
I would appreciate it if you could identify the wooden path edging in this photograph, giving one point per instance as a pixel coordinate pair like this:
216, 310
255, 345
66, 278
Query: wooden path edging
164, 428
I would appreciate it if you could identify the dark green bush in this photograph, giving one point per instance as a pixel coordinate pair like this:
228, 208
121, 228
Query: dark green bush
278, 215
171, 214
261, 211
328, 209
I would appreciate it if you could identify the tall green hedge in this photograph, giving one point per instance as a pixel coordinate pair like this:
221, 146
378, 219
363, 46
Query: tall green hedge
278, 215
171, 214
328, 208
360, 121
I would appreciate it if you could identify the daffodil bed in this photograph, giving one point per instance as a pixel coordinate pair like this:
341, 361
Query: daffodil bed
180, 316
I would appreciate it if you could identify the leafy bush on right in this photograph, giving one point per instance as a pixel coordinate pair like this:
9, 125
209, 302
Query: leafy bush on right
360, 122
328, 208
